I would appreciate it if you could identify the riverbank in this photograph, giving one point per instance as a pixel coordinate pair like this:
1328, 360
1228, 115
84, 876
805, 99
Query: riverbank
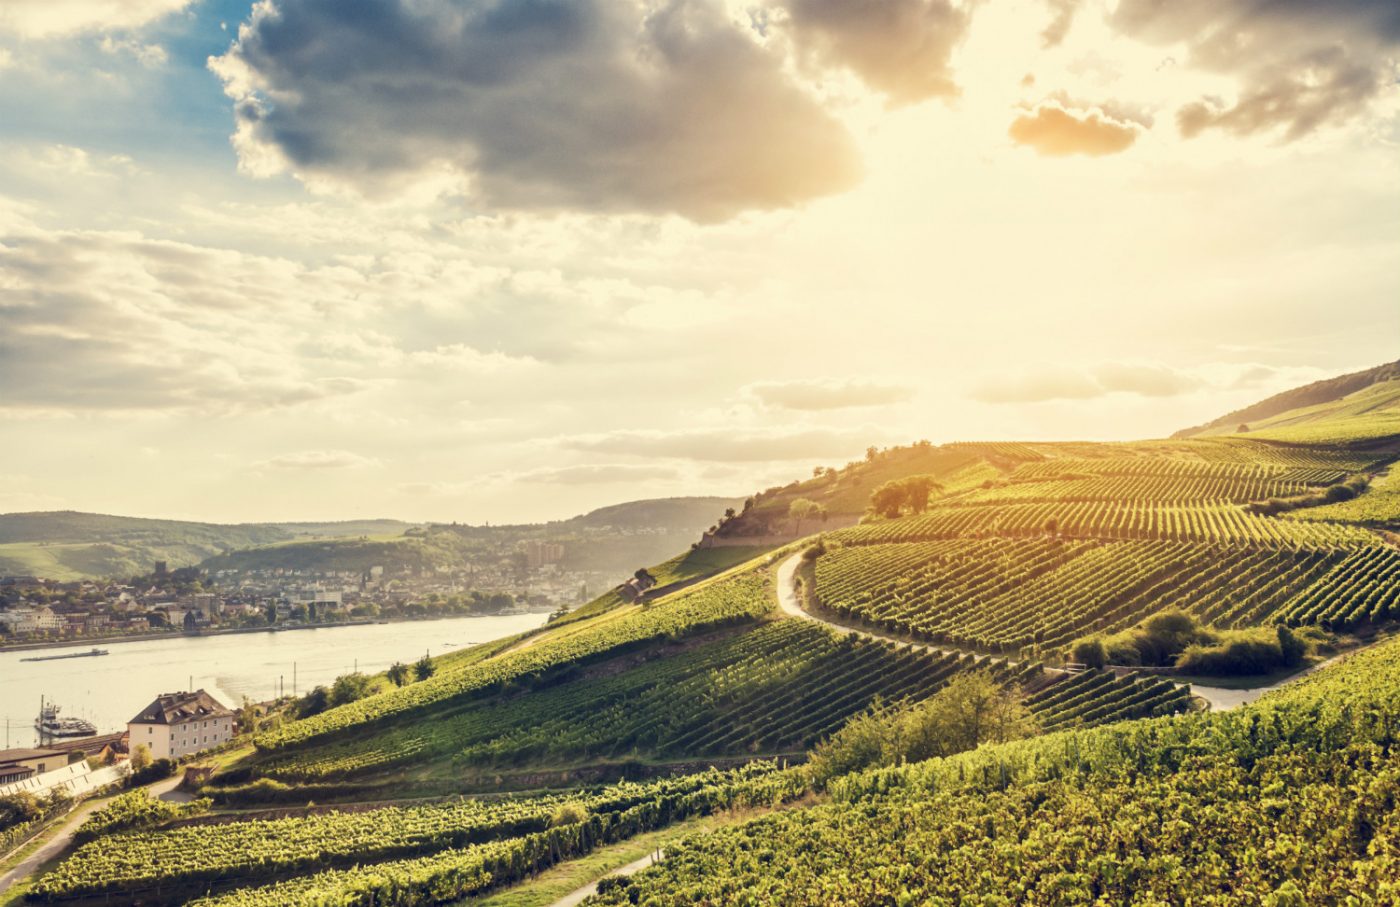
89, 641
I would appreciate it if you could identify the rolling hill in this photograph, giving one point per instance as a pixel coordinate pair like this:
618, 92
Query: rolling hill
68, 545
928, 652
1307, 403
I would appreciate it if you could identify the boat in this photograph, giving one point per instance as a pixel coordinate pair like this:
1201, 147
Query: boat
90, 653
48, 724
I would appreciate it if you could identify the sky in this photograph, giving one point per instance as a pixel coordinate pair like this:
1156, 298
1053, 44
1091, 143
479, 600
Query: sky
510, 260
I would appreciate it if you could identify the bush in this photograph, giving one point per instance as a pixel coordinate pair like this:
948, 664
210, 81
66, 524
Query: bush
568, 813
1258, 651
158, 770
1156, 643
1090, 652
970, 710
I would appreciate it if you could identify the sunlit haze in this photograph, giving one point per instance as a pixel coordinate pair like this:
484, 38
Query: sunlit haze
510, 260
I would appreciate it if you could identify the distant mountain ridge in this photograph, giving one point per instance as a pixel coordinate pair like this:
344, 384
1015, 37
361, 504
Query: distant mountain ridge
70, 545
1327, 390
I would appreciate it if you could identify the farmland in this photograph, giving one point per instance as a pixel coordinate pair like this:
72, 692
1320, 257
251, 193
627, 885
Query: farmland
974, 571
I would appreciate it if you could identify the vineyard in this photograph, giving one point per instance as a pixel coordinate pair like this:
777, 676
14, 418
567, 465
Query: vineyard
519, 835
1008, 594
776, 689
1213, 523
1288, 801
742, 599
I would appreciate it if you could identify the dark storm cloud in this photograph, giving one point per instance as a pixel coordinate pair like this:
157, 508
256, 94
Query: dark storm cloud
594, 105
1300, 64
901, 48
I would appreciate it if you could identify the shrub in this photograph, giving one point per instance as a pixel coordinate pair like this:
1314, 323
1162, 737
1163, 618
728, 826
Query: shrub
158, 770
1090, 652
1257, 651
568, 813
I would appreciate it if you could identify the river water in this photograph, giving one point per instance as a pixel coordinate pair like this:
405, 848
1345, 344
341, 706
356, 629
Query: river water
109, 690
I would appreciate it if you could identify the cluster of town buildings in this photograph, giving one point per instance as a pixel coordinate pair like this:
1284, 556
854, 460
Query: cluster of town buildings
34, 609
172, 726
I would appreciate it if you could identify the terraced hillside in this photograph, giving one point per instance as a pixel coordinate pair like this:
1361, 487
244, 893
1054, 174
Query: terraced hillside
1098, 539
989, 562
1289, 801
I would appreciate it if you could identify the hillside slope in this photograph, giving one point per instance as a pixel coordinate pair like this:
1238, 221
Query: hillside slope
1326, 391
68, 545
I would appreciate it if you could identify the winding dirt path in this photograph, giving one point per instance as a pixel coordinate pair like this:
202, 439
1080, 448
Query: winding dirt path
790, 603
578, 895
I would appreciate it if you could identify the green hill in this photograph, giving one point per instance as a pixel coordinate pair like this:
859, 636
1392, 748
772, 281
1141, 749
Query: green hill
67, 545
986, 662
1310, 404
615, 539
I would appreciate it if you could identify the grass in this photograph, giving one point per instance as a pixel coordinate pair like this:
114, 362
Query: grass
567, 878
703, 562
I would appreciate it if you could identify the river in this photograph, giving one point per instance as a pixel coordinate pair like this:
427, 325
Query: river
109, 690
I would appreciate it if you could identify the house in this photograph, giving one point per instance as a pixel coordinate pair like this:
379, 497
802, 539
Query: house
18, 765
636, 587
177, 724
31, 620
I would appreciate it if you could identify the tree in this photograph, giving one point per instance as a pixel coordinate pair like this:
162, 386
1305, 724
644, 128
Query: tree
971, 710
801, 509
313, 703
1090, 652
140, 757
247, 716
887, 500
271, 613
350, 688
892, 498
424, 668
917, 490
398, 673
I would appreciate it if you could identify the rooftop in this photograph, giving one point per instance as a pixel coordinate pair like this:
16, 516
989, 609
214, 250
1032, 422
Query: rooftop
176, 708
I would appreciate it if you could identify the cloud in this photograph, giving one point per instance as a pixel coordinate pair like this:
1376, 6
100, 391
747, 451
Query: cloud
826, 394
901, 48
1061, 18
93, 321
60, 18
727, 446
601, 474
320, 459
1298, 64
595, 105
1037, 387
1046, 384
1145, 380
148, 55
1055, 131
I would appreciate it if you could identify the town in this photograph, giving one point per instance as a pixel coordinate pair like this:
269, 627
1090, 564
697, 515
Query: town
529, 577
